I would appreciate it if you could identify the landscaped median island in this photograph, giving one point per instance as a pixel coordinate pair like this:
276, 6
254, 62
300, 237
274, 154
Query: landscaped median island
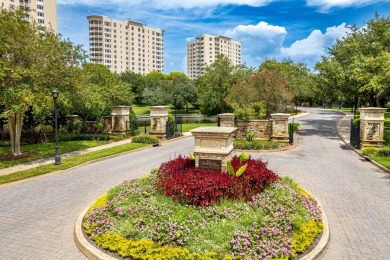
183, 212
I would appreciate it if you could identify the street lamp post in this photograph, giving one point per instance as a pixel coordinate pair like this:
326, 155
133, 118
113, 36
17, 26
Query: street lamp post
174, 103
57, 158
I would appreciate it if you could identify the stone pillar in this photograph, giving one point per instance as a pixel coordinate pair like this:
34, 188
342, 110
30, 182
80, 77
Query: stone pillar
120, 119
158, 121
226, 120
372, 126
107, 124
213, 147
280, 127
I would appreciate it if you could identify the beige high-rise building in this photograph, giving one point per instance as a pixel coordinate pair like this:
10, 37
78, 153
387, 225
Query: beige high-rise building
44, 12
125, 46
203, 52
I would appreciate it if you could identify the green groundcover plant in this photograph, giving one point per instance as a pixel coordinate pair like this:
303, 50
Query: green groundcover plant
136, 220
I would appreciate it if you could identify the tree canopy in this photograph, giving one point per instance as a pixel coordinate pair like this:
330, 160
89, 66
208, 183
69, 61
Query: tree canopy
32, 62
215, 84
361, 63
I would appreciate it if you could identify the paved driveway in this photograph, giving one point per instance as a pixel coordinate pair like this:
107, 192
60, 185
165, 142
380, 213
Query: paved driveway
37, 216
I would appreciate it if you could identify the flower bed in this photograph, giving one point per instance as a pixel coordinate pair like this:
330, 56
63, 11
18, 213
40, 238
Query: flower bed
256, 215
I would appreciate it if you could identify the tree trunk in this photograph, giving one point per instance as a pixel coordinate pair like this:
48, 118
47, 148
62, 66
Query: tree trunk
378, 101
15, 123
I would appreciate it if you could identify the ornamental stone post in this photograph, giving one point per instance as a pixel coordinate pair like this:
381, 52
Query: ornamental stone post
226, 120
120, 119
158, 121
372, 126
280, 127
213, 147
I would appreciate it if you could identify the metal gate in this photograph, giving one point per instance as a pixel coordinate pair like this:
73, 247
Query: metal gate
175, 128
291, 132
355, 135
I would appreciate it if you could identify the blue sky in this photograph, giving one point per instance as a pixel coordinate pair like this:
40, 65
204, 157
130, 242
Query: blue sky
302, 30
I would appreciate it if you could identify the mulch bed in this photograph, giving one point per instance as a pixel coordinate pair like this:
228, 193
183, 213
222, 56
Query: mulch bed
10, 157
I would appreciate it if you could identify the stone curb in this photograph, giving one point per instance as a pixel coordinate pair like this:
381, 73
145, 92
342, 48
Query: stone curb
93, 253
84, 246
380, 166
304, 113
319, 251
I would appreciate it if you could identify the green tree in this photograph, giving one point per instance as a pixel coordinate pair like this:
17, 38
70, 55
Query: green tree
362, 58
216, 83
32, 63
299, 78
186, 94
97, 90
328, 81
261, 94
137, 83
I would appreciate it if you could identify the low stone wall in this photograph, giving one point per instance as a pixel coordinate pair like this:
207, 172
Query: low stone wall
262, 129
273, 129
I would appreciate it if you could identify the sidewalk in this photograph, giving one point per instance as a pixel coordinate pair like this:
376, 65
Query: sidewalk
33, 164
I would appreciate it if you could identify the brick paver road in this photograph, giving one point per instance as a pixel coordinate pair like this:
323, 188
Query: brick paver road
37, 216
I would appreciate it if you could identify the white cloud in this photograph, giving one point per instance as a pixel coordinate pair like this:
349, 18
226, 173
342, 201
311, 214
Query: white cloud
328, 4
258, 41
310, 50
168, 4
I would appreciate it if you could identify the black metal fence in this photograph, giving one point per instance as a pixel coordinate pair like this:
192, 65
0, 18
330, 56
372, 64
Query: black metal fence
355, 135
174, 129
291, 132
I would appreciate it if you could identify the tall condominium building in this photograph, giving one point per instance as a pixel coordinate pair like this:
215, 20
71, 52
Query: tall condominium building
44, 12
204, 50
123, 46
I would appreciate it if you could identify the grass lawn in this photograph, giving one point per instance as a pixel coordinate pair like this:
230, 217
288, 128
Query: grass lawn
140, 109
69, 162
186, 127
383, 160
44, 150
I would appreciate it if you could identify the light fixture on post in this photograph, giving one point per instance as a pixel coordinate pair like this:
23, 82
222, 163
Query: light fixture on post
174, 103
57, 158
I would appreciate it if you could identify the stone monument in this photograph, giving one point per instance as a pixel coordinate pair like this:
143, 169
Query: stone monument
372, 126
213, 147
280, 127
158, 121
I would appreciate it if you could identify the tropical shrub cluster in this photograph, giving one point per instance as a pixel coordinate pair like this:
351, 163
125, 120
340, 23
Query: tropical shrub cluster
183, 181
136, 220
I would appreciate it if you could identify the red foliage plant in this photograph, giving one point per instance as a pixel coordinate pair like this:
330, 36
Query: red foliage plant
180, 179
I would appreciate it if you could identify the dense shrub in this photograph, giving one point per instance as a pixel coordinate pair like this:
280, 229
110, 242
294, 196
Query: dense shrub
91, 137
256, 145
145, 139
201, 187
370, 151
384, 151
